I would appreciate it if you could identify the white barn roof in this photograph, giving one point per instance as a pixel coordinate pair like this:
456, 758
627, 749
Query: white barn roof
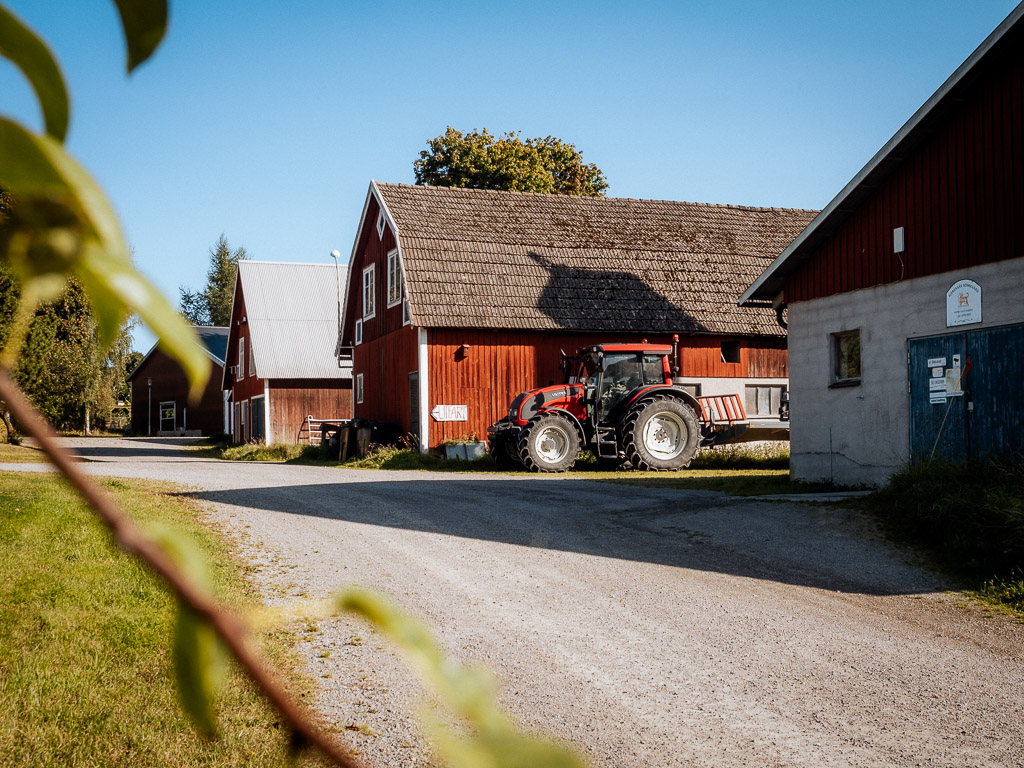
292, 312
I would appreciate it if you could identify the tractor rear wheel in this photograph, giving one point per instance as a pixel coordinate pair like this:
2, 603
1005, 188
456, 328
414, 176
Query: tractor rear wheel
661, 434
549, 443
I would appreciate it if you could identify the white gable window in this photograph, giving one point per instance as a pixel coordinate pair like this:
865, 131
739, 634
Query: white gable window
380, 225
240, 368
359, 387
369, 292
359, 332
406, 315
252, 363
394, 278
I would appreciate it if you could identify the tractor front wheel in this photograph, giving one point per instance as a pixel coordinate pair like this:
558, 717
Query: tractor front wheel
549, 443
661, 434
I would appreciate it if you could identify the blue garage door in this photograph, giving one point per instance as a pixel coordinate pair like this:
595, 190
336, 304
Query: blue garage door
986, 417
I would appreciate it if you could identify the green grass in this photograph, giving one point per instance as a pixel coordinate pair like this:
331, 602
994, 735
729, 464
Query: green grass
969, 517
85, 640
20, 454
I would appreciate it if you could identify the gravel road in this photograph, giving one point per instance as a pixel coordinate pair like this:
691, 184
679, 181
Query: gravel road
648, 627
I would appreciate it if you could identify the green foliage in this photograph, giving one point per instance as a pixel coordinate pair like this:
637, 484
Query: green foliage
212, 305
478, 160
62, 367
31, 55
764, 455
60, 224
491, 739
970, 515
272, 452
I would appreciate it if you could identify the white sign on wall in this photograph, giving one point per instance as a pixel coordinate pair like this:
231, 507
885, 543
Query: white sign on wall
450, 413
963, 303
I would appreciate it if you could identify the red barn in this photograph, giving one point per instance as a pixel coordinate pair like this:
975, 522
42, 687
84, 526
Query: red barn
281, 368
160, 389
465, 297
904, 295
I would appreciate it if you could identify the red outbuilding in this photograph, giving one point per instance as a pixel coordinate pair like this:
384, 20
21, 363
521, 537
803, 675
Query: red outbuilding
160, 389
462, 297
282, 372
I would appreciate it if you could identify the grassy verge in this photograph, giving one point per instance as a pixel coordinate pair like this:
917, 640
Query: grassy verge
969, 517
85, 640
20, 454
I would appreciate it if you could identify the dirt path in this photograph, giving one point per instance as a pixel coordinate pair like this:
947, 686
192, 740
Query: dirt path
650, 627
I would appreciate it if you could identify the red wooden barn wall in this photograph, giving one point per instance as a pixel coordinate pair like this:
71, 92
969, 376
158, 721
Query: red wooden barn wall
372, 249
959, 195
500, 364
385, 364
293, 400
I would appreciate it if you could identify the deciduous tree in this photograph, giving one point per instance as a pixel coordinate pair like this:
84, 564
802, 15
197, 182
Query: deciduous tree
478, 160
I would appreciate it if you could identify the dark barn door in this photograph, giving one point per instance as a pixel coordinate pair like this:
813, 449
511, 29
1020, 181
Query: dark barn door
987, 419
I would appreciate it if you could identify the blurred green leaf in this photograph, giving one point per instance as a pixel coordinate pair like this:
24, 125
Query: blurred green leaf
493, 740
144, 23
31, 55
199, 667
200, 658
64, 225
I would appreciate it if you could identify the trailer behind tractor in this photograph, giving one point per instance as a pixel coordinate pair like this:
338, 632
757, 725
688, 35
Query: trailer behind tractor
619, 402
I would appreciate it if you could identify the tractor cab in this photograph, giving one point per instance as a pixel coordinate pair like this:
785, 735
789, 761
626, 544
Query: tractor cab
611, 372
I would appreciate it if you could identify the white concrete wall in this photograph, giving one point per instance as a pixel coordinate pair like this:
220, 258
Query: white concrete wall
861, 434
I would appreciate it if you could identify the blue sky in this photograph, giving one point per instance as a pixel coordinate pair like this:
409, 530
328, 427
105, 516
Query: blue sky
265, 121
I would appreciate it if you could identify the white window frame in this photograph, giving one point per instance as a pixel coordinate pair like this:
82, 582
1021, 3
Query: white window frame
370, 292
359, 333
394, 278
380, 224
406, 314
359, 387
252, 363
240, 368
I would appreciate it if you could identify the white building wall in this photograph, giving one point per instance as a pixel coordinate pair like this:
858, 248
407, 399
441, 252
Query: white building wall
861, 434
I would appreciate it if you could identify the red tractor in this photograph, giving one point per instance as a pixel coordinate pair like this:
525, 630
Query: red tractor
619, 402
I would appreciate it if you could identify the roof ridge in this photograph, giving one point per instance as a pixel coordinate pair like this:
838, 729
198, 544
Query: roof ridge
557, 195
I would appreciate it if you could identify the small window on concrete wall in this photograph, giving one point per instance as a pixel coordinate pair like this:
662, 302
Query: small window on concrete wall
846, 358
730, 351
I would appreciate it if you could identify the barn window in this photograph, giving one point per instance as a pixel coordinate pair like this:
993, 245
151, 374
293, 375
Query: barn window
730, 351
846, 358
394, 279
369, 291
406, 315
252, 364
240, 368
380, 224
359, 387
359, 332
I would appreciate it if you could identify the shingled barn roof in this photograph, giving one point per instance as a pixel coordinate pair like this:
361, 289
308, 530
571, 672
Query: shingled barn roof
486, 259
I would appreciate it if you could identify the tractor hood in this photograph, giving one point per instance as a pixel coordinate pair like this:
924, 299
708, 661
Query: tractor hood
527, 404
